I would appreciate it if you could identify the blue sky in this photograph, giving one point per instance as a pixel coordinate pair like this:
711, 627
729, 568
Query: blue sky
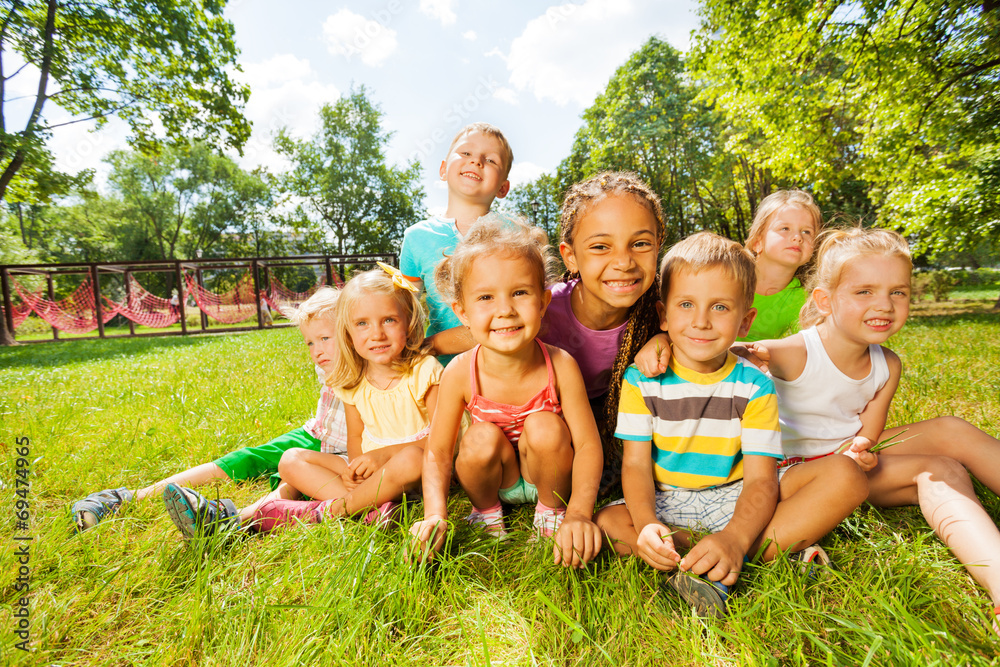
432, 66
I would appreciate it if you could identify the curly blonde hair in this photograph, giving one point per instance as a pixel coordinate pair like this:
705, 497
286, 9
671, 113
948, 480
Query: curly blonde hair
350, 368
837, 248
493, 235
643, 320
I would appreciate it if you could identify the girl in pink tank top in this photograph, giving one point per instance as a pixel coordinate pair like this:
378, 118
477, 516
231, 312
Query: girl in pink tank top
533, 438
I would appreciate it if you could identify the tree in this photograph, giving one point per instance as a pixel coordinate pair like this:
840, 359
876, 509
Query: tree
143, 60
186, 199
539, 202
344, 182
901, 98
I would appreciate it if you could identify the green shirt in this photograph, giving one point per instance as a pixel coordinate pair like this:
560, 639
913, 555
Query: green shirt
777, 314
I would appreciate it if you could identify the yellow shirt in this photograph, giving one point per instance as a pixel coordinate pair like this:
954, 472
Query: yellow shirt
396, 415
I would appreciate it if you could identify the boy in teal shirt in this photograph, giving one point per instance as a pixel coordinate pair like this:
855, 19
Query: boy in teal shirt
476, 170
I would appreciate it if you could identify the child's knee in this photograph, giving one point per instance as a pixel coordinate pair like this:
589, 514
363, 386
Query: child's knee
616, 524
545, 433
291, 459
851, 481
946, 469
408, 464
481, 444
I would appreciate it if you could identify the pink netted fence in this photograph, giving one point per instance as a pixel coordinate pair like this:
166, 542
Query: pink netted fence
252, 287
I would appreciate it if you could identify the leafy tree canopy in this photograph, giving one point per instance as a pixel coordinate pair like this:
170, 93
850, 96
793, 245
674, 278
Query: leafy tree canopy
901, 96
146, 61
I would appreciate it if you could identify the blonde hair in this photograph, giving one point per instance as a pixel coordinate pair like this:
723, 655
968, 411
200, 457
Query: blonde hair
773, 204
493, 235
837, 248
706, 250
350, 368
491, 131
321, 305
643, 320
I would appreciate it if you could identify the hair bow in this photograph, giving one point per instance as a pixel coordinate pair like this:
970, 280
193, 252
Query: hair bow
398, 279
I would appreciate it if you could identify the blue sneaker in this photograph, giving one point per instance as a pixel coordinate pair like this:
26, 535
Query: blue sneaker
706, 597
813, 561
197, 516
88, 512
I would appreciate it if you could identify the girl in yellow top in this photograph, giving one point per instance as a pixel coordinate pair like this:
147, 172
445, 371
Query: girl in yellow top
389, 386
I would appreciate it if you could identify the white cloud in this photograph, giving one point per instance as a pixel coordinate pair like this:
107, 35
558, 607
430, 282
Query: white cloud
348, 34
569, 53
442, 10
505, 94
469, 35
286, 93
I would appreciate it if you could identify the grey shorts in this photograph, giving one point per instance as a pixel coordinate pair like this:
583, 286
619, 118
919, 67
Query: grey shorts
705, 510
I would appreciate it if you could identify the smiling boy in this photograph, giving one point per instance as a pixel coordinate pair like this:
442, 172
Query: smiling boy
475, 170
701, 441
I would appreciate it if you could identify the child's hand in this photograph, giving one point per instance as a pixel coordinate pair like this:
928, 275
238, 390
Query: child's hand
654, 357
347, 477
429, 537
755, 353
362, 468
859, 452
577, 541
718, 556
656, 547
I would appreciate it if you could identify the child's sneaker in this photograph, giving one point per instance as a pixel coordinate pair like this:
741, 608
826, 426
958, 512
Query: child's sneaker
383, 516
811, 560
706, 597
547, 522
195, 515
89, 512
280, 512
491, 521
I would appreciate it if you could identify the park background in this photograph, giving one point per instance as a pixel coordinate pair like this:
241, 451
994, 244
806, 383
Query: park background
886, 111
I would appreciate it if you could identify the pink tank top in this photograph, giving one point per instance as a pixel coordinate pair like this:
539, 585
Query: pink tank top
510, 418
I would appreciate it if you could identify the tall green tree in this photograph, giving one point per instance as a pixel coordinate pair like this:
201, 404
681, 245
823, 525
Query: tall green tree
899, 99
142, 60
187, 198
345, 183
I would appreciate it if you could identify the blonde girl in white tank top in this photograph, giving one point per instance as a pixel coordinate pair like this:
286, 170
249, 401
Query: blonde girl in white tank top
835, 383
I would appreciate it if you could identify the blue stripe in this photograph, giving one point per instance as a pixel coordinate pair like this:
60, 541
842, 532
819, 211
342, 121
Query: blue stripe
692, 463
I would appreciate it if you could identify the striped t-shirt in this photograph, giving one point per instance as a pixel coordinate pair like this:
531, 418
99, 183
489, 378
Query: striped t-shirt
701, 425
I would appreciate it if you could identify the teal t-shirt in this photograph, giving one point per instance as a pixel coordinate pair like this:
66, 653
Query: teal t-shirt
777, 314
424, 245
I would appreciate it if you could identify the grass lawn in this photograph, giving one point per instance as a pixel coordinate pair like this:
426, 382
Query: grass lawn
126, 412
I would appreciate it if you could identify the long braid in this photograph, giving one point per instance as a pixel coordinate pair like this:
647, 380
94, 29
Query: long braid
643, 324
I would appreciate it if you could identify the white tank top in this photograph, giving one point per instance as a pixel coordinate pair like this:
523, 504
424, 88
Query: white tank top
822, 408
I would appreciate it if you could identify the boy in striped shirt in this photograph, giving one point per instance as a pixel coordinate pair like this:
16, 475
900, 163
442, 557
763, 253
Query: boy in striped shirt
702, 441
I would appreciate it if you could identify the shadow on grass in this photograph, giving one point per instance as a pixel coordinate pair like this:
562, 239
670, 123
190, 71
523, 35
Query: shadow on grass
63, 352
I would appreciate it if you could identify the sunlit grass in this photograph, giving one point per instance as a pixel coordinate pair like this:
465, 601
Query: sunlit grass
123, 412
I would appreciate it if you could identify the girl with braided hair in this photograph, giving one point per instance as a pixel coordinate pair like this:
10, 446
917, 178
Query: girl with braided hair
604, 309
